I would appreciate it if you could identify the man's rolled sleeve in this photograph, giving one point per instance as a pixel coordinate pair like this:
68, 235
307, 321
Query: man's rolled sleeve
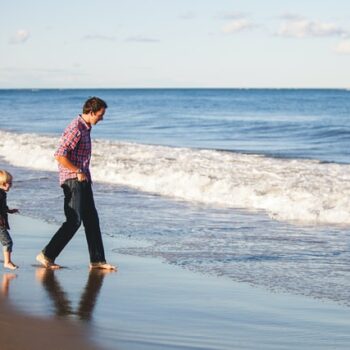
68, 142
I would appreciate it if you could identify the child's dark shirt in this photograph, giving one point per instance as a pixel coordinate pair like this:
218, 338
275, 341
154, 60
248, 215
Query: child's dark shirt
3, 210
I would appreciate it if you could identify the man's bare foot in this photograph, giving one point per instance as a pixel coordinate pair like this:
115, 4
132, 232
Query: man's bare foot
103, 266
46, 262
10, 265
100, 272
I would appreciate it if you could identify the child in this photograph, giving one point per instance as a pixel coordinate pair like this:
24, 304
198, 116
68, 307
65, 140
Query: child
5, 238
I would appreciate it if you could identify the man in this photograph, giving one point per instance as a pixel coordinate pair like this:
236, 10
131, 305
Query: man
73, 156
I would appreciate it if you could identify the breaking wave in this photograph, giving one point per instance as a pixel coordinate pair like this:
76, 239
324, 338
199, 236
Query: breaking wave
305, 191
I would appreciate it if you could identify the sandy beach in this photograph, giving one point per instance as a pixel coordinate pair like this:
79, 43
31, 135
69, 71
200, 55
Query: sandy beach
149, 305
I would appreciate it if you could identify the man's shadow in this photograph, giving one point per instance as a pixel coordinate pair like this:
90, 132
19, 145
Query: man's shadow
60, 299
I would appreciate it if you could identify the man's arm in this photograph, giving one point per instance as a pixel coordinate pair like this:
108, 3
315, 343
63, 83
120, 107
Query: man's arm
65, 162
68, 142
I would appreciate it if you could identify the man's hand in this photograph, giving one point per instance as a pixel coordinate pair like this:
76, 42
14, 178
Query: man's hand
81, 177
65, 162
13, 211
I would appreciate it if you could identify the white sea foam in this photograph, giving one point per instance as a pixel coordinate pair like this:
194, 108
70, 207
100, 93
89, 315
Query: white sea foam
294, 190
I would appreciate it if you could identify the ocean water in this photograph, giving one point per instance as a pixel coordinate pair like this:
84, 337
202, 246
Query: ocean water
252, 185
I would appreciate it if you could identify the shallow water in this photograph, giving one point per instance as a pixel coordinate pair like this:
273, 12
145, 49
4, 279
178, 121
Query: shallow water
244, 246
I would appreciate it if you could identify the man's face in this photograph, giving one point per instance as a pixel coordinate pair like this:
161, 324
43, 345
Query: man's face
95, 117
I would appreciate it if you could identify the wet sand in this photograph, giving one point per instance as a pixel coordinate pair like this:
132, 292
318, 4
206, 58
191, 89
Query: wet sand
149, 305
19, 331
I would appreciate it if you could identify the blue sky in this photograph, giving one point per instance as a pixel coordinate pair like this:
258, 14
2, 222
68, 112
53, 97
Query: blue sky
174, 43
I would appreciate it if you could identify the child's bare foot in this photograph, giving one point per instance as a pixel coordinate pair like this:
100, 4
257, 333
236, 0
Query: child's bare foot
103, 266
46, 262
10, 265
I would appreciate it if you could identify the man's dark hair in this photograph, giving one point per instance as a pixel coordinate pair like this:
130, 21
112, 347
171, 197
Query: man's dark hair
93, 104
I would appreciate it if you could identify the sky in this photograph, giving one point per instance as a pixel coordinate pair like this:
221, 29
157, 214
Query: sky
175, 43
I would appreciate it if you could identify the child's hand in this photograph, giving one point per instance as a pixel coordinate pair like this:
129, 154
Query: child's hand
13, 211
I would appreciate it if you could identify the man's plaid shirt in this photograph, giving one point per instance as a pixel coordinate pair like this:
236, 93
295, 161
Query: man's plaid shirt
75, 144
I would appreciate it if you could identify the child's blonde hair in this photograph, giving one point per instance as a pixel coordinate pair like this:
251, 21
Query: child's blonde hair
5, 177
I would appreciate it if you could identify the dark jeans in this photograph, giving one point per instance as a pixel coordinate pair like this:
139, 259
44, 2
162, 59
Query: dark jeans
79, 206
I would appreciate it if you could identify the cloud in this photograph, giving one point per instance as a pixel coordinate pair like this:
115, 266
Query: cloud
297, 27
141, 39
238, 22
100, 37
20, 37
343, 47
237, 25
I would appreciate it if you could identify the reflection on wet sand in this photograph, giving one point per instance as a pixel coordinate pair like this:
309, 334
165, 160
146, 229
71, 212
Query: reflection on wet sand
5, 285
61, 302
21, 331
